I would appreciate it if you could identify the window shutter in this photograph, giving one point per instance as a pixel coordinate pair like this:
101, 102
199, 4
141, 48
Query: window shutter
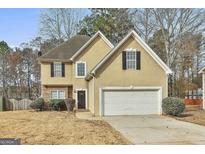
52, 70
138, 60
124, 67
63, 69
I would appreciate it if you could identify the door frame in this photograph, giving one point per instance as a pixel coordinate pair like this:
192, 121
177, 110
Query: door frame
76, 97
130, 88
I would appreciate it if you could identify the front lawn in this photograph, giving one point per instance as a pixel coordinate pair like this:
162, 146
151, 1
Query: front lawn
56, 128
194, 114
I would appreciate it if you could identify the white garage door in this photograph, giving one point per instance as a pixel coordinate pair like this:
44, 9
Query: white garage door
131, 102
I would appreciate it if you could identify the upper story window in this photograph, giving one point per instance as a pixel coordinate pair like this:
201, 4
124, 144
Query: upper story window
57, 69
80, 69
131, 59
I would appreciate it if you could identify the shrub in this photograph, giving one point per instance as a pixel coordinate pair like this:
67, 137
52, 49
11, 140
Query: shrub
57, 104
70, 104
38, 104
173, 106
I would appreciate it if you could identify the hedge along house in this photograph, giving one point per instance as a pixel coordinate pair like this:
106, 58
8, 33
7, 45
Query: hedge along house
128, 79
202, 71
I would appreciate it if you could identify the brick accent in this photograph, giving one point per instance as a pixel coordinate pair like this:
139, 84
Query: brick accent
47, 89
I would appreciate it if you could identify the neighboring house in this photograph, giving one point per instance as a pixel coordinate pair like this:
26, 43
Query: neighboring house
128, 79
202, 71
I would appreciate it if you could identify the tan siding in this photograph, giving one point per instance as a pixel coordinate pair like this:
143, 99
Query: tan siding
94, 53
91, 55
46, 78
112, 74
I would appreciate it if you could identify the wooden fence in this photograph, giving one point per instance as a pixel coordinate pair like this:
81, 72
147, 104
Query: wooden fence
23, 104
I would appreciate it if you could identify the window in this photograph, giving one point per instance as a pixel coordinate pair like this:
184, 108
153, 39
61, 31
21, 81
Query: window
57, 69
54, 94
131, 59
57, 94
80, 69
61, 94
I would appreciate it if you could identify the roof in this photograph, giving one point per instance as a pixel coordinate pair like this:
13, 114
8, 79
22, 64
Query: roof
90, 41
66, 50
202, 70
143, 44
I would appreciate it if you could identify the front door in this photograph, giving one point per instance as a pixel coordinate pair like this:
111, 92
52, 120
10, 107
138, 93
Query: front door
81, 99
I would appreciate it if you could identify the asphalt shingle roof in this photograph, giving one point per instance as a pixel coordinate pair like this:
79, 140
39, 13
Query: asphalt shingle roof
65, 50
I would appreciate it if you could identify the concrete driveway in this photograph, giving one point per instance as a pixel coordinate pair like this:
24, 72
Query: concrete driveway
157, 130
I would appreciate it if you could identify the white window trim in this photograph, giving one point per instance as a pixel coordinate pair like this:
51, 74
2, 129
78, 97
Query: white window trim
54, 63
76, 69
131, 50
86, 97
57, 94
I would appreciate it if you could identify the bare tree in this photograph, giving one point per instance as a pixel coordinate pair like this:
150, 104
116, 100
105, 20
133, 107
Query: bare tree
174, 23
144, 22
59, 23
4, 52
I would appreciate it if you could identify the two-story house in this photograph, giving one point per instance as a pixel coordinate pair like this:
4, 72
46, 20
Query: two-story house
128, 79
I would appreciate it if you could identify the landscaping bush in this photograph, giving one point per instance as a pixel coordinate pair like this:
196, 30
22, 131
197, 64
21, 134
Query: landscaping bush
173, 106
57, 104
38, 104
70, 104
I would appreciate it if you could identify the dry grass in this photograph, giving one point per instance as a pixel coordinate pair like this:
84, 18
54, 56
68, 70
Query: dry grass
194, 114
56, 128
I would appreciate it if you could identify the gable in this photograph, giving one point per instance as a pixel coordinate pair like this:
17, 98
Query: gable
92, 39
93, 53
114, 63
142, 44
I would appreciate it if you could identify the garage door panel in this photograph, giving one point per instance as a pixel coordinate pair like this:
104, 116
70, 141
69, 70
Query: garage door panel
127, 102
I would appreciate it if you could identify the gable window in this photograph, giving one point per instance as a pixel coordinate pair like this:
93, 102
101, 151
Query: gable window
131, 59
57, 94
80, 69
